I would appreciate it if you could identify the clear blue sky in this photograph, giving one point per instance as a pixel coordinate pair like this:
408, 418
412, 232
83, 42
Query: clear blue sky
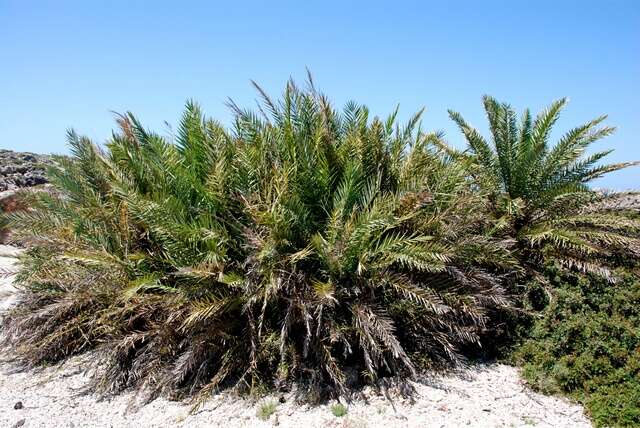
68, 64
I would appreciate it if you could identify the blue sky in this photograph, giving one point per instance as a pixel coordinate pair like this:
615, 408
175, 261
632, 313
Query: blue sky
69, 64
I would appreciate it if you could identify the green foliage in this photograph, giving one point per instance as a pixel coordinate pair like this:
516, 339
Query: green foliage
327, 249
266, 410
302, 245
339, 410
539, 191
587, 344
3, 221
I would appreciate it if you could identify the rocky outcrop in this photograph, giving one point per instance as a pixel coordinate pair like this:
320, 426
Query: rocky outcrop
622, 201
18, 170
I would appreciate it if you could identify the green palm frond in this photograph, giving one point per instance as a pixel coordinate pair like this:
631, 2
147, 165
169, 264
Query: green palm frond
537, 188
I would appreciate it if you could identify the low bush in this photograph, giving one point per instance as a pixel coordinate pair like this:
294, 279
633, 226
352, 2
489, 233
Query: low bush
587, 344
338, 410
266, 410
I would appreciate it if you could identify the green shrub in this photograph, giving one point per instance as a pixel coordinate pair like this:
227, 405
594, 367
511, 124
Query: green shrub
298, 244
3, 222
587, 344
266, 410
339, 410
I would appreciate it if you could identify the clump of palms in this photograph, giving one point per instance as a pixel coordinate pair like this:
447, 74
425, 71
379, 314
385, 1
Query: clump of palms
304, 245
539, 191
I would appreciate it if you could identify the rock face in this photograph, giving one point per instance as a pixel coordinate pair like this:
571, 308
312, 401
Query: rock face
19, 170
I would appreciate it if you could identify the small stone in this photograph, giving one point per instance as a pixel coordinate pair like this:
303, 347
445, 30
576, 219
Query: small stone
18, 405
19, 423
282, 399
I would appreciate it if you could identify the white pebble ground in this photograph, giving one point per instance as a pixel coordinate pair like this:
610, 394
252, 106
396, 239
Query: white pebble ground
483, 396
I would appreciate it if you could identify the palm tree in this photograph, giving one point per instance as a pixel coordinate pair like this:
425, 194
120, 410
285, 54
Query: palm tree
302, 242
540, 191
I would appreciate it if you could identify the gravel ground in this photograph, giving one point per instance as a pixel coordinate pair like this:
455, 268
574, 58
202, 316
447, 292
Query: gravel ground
490, 395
